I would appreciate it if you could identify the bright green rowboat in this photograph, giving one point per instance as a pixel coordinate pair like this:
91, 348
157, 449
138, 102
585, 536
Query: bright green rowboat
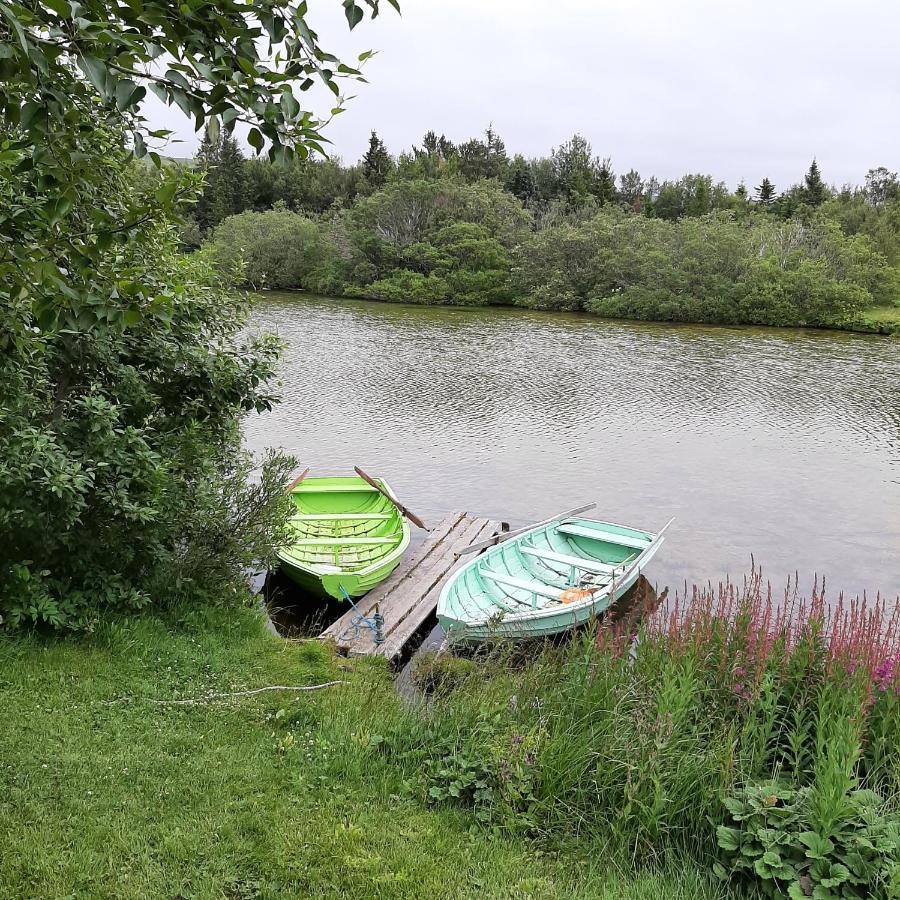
346, 535
544, 581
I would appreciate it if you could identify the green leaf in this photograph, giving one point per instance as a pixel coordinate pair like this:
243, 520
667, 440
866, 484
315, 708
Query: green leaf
60, 7
817, 846
289, 105
353, 12
166, 192
728, 838
128, 94
95, 71
255, 139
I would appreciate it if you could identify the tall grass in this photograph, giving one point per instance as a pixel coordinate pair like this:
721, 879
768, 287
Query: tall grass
636, 736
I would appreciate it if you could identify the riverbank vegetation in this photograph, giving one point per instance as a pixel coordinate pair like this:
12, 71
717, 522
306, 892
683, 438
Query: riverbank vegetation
745, 746
467, 224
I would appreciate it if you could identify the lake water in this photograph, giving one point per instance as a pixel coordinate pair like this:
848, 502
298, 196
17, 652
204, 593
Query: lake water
783, 444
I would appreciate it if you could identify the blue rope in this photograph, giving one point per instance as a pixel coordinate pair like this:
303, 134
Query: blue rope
358, 621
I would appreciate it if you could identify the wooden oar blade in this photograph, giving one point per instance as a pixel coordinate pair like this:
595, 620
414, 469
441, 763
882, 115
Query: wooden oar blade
404, 511
297, 480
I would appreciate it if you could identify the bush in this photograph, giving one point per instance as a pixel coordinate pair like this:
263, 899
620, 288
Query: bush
276, 249
121, 389
706, 269
403, 286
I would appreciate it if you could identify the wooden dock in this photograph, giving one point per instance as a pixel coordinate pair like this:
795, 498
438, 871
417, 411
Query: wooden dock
409, 596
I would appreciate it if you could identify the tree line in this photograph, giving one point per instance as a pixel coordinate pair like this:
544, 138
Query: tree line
469, 224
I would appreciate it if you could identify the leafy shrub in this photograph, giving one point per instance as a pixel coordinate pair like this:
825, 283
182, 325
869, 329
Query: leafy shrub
121, 387
707, 269
771, 839
273, 249
404, 286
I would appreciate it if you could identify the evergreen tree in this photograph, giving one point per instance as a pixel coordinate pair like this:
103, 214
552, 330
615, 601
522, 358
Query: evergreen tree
605, 183
519, 180
376, 163
225, 191
631, 190
498, 161
765, 192
575, 168
814, 189
483, 159
741, 192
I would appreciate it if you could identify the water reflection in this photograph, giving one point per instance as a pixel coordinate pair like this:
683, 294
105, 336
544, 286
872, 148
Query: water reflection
785, 444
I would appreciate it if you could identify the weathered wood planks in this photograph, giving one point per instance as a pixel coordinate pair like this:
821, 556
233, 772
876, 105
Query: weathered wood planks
409, 596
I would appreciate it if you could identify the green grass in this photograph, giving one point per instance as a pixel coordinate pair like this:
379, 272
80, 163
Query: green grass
106, 794
885, 313
883, 319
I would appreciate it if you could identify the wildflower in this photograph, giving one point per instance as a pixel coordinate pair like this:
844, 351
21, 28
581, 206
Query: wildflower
884, 673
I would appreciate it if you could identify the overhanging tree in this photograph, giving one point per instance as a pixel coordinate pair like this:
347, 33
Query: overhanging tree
122, 367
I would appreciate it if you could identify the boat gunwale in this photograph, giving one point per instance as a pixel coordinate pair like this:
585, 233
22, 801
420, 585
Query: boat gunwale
546, 612
399, 549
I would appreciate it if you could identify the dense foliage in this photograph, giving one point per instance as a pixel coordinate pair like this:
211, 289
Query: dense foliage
468, 225
119, 451
123, 370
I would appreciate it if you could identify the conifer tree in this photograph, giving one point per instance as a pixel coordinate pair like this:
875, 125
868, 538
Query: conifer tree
225, 191
376, 163
520, 181
765, 192
814, 189
605, 183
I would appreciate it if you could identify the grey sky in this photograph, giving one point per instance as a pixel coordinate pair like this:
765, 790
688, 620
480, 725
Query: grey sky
737, 89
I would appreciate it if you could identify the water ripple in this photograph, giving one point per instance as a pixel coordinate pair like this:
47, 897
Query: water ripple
781, 443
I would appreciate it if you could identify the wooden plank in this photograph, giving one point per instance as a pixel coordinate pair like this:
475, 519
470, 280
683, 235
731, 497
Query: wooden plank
397, 609
432, 571
405, 570
397, 640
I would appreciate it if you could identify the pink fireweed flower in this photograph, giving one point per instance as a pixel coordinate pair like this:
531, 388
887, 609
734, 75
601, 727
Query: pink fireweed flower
884, 673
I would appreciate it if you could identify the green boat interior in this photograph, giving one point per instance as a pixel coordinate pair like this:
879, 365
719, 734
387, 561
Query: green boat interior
534, 571
343, 523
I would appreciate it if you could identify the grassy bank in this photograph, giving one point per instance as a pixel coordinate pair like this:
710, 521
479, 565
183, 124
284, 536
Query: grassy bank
748, 745
880, 320
104, 793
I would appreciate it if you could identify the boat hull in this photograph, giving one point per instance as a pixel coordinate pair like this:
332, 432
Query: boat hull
545, 581
324, 586
347, 537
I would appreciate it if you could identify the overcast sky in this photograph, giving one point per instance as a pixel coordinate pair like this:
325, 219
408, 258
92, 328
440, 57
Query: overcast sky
736, 89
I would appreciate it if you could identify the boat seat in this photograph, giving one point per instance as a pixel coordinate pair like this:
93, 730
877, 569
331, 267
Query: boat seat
533, 587
312, 542
579, 562
608, 537
340, 517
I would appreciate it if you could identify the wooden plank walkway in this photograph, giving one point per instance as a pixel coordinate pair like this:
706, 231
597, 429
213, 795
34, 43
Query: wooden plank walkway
409, 596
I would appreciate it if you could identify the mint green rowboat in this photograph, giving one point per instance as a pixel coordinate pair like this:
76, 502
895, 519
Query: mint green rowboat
544, 580
347, 536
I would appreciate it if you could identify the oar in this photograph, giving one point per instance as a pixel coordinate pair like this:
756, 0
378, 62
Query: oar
406, 512
296, 481
506, 535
